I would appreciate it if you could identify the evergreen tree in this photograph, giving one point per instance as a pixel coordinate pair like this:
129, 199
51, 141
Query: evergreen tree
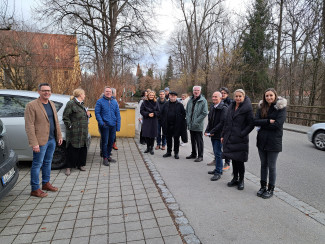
255, 46
150, 72
169, 71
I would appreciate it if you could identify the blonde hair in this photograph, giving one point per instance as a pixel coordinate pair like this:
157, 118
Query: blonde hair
154, 93
241, 91
77, 92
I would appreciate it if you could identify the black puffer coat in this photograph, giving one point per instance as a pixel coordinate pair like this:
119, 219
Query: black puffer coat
216, 119
235, 132
150, 124
269, 136
180, 125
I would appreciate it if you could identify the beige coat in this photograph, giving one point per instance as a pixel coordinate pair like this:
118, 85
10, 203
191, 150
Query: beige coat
37, 124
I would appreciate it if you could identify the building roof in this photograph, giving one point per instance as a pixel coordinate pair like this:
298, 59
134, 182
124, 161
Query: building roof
39, 49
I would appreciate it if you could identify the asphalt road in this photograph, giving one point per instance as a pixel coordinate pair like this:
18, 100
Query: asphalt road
300, 168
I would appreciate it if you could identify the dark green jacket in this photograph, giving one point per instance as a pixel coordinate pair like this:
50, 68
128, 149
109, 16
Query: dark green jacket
196, 122
76, 122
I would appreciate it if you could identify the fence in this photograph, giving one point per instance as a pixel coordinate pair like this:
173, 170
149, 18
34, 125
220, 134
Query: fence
303, 115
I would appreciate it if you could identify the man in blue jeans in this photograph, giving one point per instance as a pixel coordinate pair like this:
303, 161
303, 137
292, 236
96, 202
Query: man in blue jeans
109, 121
43, 130
216, 118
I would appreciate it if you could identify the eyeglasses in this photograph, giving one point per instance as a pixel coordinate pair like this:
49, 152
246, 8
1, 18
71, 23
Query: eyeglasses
45, 90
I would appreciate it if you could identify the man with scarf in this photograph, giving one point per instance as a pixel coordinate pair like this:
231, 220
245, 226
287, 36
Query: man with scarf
109, 121
174, 124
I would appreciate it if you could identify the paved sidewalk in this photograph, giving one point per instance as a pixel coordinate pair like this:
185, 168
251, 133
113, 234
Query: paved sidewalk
116, 204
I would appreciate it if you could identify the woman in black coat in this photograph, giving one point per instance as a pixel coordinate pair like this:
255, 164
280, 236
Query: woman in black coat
150, 112
269, 118
238, 125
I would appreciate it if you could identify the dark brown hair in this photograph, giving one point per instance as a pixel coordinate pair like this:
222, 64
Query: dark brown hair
265, 106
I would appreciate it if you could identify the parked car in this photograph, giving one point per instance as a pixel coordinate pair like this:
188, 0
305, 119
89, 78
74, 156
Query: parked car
8, 163
316, 135
12, 108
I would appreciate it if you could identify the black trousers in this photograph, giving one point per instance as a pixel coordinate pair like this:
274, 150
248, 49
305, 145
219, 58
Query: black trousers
197, 143
169, 138
77, 157
238, 168
150, 142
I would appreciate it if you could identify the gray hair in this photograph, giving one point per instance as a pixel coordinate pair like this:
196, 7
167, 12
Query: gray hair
161, 91
241, 91
219, 93
197, 87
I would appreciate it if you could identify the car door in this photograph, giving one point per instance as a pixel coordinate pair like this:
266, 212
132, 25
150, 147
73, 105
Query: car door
12, 108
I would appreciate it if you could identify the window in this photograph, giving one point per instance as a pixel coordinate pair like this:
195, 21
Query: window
13, 106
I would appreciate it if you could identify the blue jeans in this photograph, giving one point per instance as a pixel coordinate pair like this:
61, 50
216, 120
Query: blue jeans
161, 139
217, 145
42, 159
108, 134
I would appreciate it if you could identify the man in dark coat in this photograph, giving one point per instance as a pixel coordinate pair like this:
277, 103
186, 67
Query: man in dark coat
173, 123
161, 138
214, 128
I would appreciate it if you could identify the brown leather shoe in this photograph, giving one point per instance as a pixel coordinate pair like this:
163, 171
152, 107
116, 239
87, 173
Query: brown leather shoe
157, 147
38, 193
48, 187
163, 148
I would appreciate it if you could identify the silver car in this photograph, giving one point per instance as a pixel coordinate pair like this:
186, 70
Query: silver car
316, 135
12, 108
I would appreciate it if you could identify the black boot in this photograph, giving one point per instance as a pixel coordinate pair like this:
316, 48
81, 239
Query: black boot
241, 184
167, 154
233, 182
269, 193
147, 150
263, 188
151, 150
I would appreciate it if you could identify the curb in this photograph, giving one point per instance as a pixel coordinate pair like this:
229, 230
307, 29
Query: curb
185, 230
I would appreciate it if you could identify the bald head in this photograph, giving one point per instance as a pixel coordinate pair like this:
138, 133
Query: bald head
216, 97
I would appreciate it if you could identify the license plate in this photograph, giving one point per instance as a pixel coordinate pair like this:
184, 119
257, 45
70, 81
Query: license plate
6, 178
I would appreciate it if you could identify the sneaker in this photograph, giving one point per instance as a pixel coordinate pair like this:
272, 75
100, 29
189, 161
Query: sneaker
226, 167
111, 160
213, 163
106, 162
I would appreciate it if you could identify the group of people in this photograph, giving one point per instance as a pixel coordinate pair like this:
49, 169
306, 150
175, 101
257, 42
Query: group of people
44, 133
230, 122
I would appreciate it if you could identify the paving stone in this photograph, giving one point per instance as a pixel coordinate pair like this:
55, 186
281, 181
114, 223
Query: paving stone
129, 203
131, 217
79, 232
84, 215
99, 239
80, 240
168, 230
149, 223
52, 218
99, 230
115, 211
101, 206
186, 229
157, 206
142, 201
165, 221
7, 239
152, 233
63, 234
135, 225
144, 208
117, 238
65, 241
161, 213
16, 221
43, 236
99, 221
69, 224
173, 239
116, 219
137, 242
155, 241
4, 222
24, 238
11, 230
68, 216
48, 226
191, 239
33, 228
82, 223
134, 235
100, 213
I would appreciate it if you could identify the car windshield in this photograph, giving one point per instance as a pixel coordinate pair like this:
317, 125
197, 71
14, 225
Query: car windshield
14, 106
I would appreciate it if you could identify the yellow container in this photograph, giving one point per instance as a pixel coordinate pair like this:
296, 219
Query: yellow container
127, 123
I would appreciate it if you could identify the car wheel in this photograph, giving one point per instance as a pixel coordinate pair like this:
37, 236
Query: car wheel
319, 140
59, 157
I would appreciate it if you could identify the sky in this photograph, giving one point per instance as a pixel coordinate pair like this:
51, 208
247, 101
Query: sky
166, 21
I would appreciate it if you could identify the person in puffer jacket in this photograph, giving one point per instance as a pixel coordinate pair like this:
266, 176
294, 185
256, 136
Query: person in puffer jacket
269, 118
109, 121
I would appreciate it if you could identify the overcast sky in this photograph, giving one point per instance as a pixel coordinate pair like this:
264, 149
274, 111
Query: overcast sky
167, 19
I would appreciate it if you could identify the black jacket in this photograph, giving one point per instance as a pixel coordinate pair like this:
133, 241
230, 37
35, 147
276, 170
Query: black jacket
235, 132
269, 136
227, 101
160, 105
150, 124
216, 119
180, 125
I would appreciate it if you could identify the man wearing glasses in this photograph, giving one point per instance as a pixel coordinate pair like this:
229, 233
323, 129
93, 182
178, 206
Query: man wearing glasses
43, 131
